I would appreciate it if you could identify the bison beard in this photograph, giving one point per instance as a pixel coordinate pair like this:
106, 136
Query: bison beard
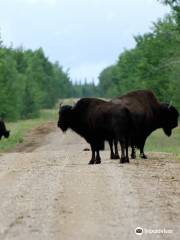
97, 121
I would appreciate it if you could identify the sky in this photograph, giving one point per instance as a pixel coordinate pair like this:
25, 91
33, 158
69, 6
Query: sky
85, 36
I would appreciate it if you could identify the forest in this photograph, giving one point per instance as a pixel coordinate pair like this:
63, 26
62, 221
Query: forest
154, 62
29, 81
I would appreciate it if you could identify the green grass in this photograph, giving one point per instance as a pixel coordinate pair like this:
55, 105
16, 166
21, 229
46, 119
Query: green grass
20, 128
159, 142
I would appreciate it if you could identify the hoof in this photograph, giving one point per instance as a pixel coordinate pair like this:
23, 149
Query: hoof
115, 157
143, 156
98, 162
122, 160
133, 156
91, 162
126, 160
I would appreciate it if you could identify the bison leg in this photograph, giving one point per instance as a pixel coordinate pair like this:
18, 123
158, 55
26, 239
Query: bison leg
133, 153
123, 157
142, 154
92, 161
116, 149
113, 155
98, 158
126, 147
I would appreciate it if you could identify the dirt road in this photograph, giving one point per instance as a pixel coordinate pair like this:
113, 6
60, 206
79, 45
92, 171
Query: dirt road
52, 193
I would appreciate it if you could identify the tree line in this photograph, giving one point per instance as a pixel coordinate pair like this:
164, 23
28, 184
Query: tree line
154, 62
29, 82
85, 89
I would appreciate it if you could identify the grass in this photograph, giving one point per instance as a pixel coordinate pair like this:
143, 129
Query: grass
20, 128
159, 142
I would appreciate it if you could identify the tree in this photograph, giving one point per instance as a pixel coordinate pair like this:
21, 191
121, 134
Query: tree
152, 64
175, 6
108, 82
29, 82
9, 85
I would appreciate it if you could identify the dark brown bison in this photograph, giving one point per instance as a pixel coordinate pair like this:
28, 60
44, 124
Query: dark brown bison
3, 131
147, 114
97, 121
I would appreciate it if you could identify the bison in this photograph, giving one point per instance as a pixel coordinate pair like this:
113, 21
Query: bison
97, 121
148, 114
3, 131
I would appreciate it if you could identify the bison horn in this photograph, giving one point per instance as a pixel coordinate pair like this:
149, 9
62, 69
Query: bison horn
60, 105
170, 104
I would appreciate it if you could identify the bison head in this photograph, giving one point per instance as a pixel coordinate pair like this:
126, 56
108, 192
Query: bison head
6, 134
64, 117
169, 118
3, 131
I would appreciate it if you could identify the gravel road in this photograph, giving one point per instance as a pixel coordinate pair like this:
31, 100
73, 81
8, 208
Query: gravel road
51, 193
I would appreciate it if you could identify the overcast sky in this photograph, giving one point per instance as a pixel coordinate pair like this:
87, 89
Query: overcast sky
83, 35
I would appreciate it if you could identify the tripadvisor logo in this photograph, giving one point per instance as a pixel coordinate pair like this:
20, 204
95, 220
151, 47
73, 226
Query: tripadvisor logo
139, 231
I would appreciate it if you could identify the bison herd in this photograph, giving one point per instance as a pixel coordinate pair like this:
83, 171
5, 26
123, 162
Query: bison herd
127, 120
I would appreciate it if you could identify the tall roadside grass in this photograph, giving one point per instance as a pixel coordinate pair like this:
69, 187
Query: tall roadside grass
20, 128
159, 142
